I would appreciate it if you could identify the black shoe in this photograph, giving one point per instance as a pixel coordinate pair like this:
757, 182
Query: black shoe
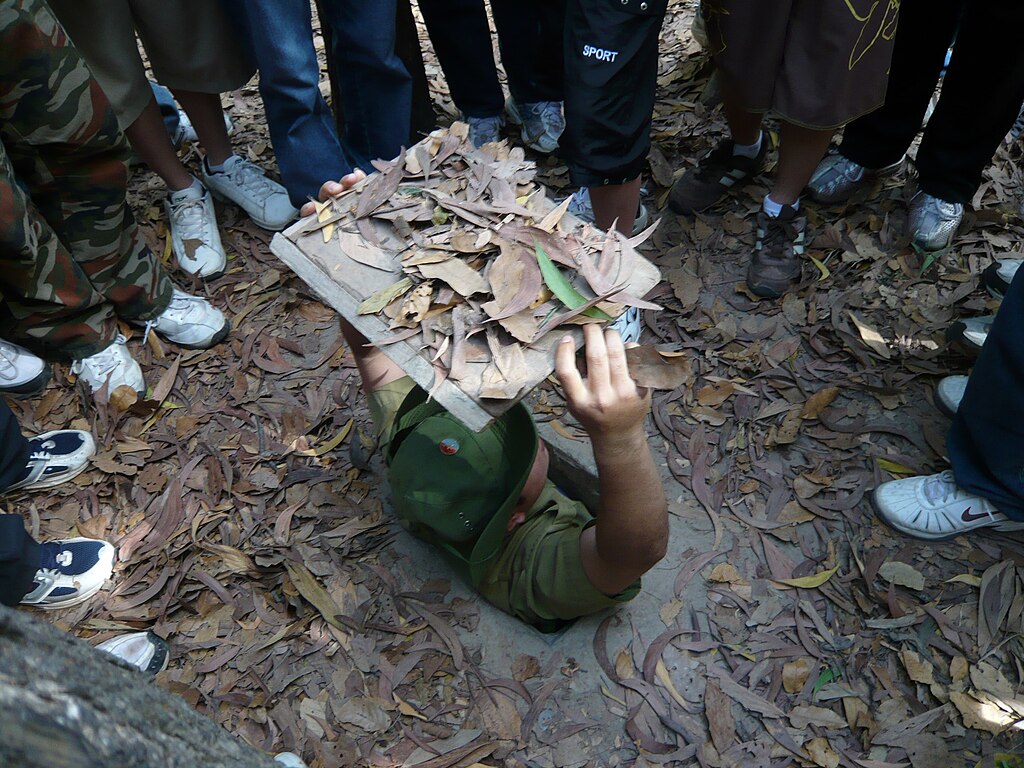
778, 254
715, 175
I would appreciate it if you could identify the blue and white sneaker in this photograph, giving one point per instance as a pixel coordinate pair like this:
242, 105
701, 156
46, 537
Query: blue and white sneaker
583, 209
629, 325
542, 123
54, 458
70, 572
484, 130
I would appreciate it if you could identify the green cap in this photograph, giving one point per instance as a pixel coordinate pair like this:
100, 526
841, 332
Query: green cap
459, 486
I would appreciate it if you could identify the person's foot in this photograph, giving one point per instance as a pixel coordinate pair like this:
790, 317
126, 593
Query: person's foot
54, 458
999, 274
934, 507
114, 366
195, 239
21, 372
583, 209
969, 334
715, 175
145, 651
778, 253
484, 130
542, 123
246, 185
837, 178
949, 393
70, 572
629, 325
933, 222
190, 322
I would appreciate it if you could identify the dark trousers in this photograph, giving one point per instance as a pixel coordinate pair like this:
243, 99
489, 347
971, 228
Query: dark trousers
375, 88
530, 38
986, 440
981, 93
19, 553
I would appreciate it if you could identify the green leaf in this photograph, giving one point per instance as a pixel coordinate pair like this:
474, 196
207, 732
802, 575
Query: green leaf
828, 675
559, 285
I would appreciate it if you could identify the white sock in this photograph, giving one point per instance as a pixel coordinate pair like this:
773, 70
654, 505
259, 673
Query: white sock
216, 168
749, 150
773, 209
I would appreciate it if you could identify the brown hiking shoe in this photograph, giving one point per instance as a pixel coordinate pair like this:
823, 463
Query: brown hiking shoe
716, 173
778, 254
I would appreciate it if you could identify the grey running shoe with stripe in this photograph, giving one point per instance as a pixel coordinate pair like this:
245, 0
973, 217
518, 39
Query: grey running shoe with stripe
837, 178
716, 174
933, 222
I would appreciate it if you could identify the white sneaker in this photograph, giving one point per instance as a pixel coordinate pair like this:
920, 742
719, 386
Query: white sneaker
70, 572
934, 507
54, 458
999, 274
21, 372
949, 393
114, 366
583, 209
246, 185
194, 235
189, 321
289, 760
145, 651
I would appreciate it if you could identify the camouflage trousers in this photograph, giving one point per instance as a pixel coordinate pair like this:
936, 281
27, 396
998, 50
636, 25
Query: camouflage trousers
72, 259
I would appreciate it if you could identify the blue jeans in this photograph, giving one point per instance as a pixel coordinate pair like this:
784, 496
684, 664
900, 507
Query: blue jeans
986, 440
375, 86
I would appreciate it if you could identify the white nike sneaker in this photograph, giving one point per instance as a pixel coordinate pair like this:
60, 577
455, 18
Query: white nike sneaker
21, 372
246, 185
145, 651
194, 235
934, 507
949, 393
189, 321
114, 366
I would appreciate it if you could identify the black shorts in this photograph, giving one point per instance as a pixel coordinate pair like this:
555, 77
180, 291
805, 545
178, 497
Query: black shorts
611, 70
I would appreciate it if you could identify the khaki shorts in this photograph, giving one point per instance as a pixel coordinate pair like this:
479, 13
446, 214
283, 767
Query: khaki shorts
815, 63
190, 44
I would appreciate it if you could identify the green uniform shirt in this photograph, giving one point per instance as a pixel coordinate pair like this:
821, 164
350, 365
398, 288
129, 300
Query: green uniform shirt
538, 575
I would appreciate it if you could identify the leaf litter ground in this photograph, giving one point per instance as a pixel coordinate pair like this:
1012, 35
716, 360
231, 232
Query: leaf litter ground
251, 534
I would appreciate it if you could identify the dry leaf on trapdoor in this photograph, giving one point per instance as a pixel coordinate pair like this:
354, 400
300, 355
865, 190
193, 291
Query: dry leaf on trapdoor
652, 369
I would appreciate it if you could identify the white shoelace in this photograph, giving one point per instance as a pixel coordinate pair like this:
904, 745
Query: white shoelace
251, 178
8, 370
104, 361
190, 216
181, 302
939, 488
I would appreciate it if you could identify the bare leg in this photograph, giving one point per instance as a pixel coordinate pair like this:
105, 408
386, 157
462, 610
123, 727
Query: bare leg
616, 203
207, 117
375, 368
800, 151
150, 142
744, 126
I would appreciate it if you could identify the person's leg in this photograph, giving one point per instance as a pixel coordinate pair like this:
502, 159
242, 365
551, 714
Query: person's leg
462, 41
531, 36
207, 116
611, 69
151, 143
984, 445
19, 560
981, 97
14, 448
302, 131
73, 256
800, 151
926, 31
376, 88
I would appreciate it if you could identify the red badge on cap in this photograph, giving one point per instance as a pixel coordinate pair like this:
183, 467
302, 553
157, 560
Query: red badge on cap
449, 446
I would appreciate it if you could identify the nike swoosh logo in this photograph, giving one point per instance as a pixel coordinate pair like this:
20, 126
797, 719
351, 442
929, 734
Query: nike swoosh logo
967, 517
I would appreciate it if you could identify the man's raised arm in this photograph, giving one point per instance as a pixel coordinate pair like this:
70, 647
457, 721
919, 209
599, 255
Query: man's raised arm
631, 532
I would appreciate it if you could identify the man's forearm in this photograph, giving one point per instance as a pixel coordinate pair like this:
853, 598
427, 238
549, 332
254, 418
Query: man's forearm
632, 522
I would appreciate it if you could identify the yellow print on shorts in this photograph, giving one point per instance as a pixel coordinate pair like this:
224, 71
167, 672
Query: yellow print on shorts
877, 22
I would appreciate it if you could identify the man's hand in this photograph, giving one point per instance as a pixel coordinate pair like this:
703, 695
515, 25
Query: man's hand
608, 404
333, 189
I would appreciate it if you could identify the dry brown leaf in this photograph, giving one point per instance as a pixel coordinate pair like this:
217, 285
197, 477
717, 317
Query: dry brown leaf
649, 368
821, 753
716, 393
718, 710
818, 402
794, 675
465, 280
902, 574
920, 670
803, 716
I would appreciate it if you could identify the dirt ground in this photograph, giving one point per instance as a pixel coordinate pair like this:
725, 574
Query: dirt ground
806, 633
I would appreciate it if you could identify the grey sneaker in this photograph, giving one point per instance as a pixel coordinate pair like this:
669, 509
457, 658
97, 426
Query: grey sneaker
933, 222
246, 185
999, 274
970, 333
949, 393
629, 325
837, 178
777, 262
484, 130
542, 123
583, 209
